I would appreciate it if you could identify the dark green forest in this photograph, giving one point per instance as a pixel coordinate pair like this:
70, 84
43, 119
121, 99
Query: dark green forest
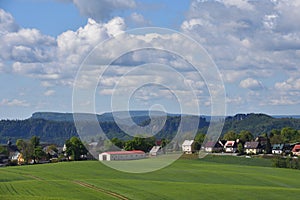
58, 131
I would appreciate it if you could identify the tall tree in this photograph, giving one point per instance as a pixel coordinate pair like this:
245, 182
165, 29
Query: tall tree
288, 134
198, 140
230, 135
245, 136
75, 148
25, 149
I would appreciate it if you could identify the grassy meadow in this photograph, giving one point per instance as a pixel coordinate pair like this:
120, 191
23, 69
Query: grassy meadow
219, 177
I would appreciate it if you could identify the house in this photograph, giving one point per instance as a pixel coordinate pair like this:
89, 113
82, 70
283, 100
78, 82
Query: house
278, 149
213, 146
230, 147
252, 147
122, 155
296, 150
155, 151
187, 146
263, 141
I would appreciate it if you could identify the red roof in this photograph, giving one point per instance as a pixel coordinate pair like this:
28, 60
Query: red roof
125, 152
296, 147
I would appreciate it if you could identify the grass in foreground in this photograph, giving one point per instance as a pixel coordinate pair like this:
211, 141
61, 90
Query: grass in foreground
207, 178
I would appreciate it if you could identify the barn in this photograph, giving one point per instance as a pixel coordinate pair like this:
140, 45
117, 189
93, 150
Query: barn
122, 155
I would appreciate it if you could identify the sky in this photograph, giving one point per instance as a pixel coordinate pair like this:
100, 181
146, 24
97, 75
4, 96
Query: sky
53, 48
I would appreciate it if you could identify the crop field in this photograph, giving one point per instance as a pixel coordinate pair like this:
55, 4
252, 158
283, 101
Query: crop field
208, 178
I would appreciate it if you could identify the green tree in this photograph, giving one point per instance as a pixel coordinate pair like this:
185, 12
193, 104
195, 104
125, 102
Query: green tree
25, 149
198, 140
37, 151
35, 141
138, 143
38, 154
276, 139
288, 134
268, 147
75, 148
230, 135
3, 150
240, 148
245, 136
117, 142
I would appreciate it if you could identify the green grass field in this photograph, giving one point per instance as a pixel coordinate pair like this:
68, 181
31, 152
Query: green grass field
208, 178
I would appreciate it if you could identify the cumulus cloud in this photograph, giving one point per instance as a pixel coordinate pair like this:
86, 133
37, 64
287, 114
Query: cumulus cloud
7, 23
251, 84
250, 39
138, 20
24, 45
239, 38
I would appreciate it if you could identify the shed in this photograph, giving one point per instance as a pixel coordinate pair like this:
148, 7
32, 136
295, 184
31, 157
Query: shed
122, 155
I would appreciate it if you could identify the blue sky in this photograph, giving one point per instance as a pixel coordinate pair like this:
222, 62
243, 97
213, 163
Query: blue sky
254, 44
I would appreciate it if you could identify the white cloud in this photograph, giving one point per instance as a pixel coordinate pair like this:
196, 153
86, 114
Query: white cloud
102, 9
138, 19
290, 84
49, 92
14, 102
7, 23
251, 84
241, 4
283, 100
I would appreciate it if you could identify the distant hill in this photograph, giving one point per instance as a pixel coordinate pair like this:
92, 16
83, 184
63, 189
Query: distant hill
105, 117
58, 127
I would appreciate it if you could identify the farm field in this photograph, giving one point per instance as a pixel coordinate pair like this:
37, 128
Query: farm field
208, 178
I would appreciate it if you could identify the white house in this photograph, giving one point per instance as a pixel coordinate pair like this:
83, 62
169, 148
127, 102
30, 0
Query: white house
277, 149
187, 146
122, 155
230, 147
155, 151
213, 146
252, 148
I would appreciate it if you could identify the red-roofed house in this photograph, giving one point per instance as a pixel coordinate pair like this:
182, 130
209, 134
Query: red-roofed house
230, 147
122, 155
296, 150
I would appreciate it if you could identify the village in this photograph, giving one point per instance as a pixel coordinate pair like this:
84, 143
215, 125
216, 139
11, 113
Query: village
49, 153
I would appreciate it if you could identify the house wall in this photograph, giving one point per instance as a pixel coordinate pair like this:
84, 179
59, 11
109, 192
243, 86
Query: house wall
276, 151
208, 149
111, 157
213, 149
187, 149
254, 151
230, 149
102, 155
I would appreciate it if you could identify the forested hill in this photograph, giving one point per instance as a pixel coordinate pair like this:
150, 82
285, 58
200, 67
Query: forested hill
259, 123
57, 127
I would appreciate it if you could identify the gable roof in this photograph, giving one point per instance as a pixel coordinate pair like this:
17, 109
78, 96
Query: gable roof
230, 143
212, 144
155, 149
296, 148
251, 145
188, 142
125, 152
278, 147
